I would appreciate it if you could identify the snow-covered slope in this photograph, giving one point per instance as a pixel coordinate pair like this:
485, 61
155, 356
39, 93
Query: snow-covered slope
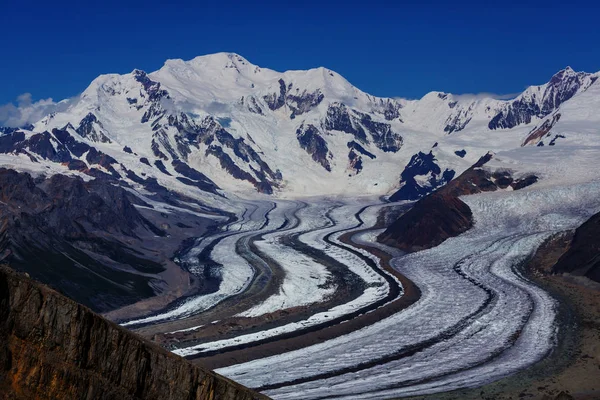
220, 121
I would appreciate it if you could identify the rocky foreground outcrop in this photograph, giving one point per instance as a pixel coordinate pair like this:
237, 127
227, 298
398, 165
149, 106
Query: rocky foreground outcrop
583, 254
441, 214
53, 348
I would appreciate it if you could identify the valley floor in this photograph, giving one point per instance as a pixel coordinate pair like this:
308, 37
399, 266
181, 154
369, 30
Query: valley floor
572, 371
303, 303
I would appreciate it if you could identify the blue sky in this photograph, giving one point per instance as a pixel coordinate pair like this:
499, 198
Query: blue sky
394, 48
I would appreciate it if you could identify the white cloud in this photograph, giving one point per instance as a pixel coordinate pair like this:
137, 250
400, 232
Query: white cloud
403, 99
472, 96
485, 95
28, 112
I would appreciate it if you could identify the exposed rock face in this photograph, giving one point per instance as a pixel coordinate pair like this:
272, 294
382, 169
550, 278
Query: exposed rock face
537, 133
304, 102
359, 149
153, 94
338, 118
382, 134
190, 134
391, 110
461, 153
341, 118
354, 161
432, 220
582, 256
355, 156
563, 85
311, 140
276, 100
555, 138
299, 103
441, 214
61, 147
91, 128
72, 234
54, 348
159, 164
458, 121
519, 112
421, 176
197, 178
216, 137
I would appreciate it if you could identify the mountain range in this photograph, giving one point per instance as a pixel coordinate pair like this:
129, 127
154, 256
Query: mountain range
219, 124
265, 223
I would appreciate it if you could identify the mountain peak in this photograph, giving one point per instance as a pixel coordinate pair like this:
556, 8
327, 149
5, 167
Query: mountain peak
221, 60
566, 72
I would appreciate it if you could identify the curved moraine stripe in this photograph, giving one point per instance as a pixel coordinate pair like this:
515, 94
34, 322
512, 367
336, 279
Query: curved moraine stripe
365, 330
233, 279
355, 313
478, 318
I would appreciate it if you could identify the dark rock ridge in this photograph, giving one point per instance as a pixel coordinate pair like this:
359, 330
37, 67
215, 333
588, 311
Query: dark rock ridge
431, 221
381, 133
537, 133
91, 128
310, 139
77, 236
555, 138
190, 134
340, 118
357, 147
276, 100
583, 254
354, 161
53, 348
303, 102
562, 86
355, 156
161, 167
536, 102
458, 122
461, 153
197, 178
441, 214
391, 110
421, 164
297, 102
59, 146
4, 130
153, 95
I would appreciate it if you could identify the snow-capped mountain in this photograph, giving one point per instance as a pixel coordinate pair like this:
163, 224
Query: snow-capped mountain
220, 122
168, 221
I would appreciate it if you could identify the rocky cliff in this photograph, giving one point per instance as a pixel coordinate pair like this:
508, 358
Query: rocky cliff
53, 348
80, 237
582, 256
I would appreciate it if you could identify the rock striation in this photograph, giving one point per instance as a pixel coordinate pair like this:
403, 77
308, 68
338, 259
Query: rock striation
582, 256
54, 348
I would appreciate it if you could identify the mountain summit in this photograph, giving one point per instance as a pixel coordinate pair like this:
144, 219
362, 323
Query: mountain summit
219, 122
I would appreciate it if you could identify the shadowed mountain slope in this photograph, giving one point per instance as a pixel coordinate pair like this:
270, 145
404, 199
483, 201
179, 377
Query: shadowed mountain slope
53, 348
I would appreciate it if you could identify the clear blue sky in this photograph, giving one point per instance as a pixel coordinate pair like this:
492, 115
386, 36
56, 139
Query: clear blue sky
55, 48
